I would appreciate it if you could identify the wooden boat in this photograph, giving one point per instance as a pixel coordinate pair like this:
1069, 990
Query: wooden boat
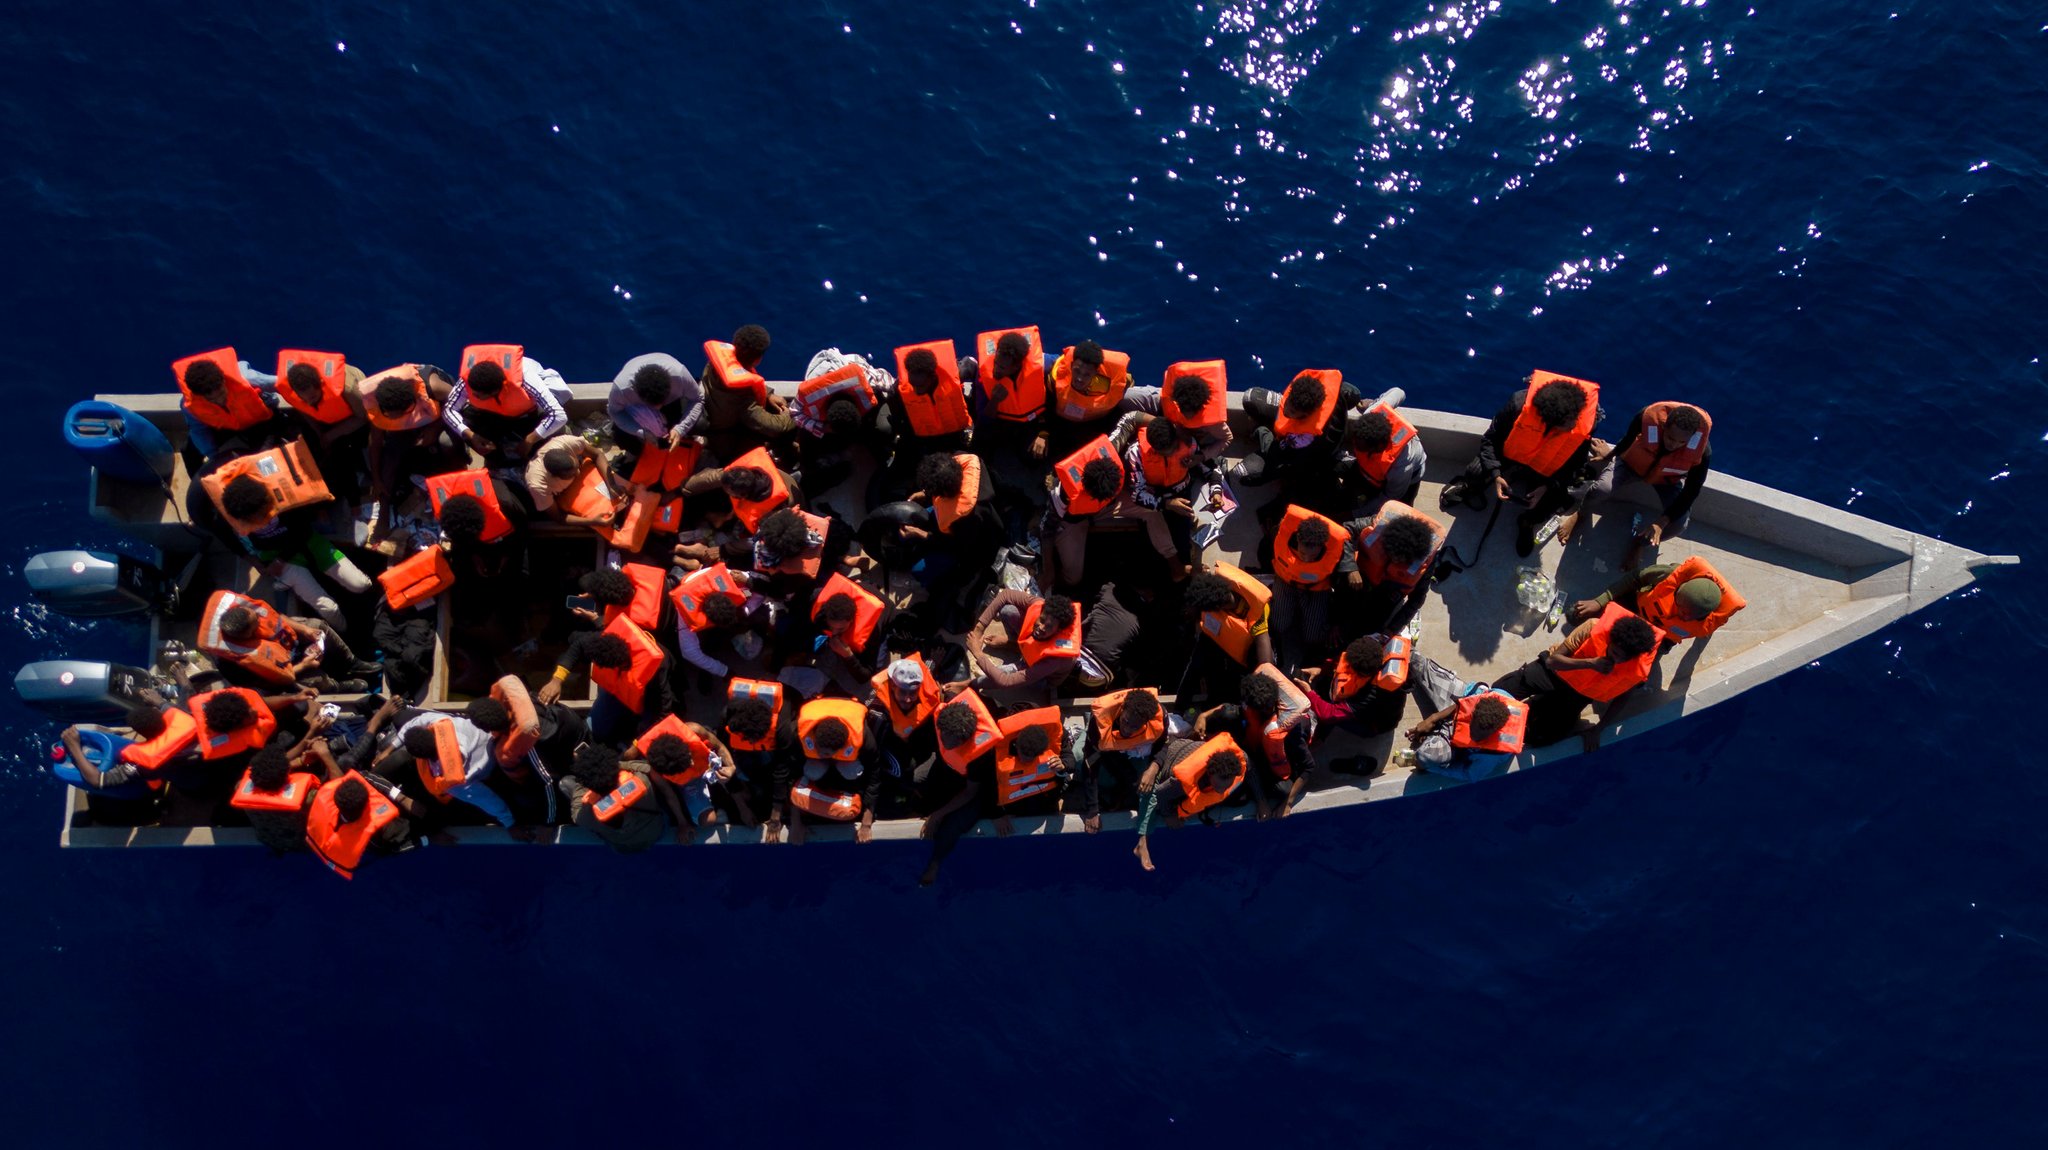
1817, 578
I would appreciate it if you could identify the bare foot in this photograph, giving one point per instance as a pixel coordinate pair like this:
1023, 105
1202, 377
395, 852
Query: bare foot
1144, 854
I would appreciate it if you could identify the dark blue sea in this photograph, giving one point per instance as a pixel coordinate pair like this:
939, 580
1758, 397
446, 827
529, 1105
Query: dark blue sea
1812, 917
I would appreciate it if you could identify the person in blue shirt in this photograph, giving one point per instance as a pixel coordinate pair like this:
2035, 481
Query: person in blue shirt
1493, 721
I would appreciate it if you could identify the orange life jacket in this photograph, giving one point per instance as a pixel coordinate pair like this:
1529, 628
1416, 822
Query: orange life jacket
448, 769
332, 406
1106, 709
976, 745
666, 467
667, 518
901, 721
1018, 779
180, 731
1596, 686
867, 609
1373, 563
1390, 675
298, 788
1658, 605
1285, 424
1288, 563
1079, 502
287, 471
512, 400
1080, 406
807, 563
1023, 398
1677, 460
642, 512
700, 586
1230, 630
1293, 712
243, 407
269, 657
1189, 771
475, 483
752, 511
1065, 645
649, 582
220, 746
824, 804
341, 845
1162, 472
588, 496
737, 689
1216, 411
1508, 738
628, 793
1375, 466
510, 748
629, 686
727, 373
951, 511
818, 711
1535, 446
423, 410
422, 576
944, 411
848, 381
700, 751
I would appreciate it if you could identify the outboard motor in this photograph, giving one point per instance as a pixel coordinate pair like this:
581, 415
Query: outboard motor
81, 690
94, 584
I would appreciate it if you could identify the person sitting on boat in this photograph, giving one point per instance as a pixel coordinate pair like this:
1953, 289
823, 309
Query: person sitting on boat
1010, 396
714, 608
488, 535
1109, 632
842, 413
699, 768
928, 412
848, 618
1033, 767
1124, 727
361, 815
753, 483
1602, 659
1166, 469
616, 799
1233, 616
1092, 488
323, 406
1383, 457
957, 534
1090, 388
964, 771
278, 649
1195, 400
1468, 731
839, 776
760, 728
1685, 600
654, 399
906, 697
1296, 436
1044, 632
1397, 553
630, 671
556, 467
527, 747
1665, 448
740, 411
505, 404
1310, 555
163, 740
407, 435
1533, 454
229, 407
286, 546
278, 789
1187, 778
1363, 690
1275, 720
453, 758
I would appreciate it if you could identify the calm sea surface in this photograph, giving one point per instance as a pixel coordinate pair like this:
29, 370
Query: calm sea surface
1811, 917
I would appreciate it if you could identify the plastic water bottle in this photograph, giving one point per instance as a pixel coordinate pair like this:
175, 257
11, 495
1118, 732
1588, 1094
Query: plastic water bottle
1533, 589
1403, 759
1556, 613
1548, 531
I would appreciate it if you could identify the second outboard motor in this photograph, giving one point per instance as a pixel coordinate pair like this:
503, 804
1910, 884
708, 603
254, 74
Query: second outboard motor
81, 690
91, 584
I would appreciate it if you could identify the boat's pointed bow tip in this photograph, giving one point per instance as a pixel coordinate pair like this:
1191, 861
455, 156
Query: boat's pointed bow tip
1982, 561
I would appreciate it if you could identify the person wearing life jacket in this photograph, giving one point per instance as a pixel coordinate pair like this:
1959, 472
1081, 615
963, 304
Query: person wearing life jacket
1091, 487
453, 760
848, 618
700, 768
1194, 397
838, 755
1363, 690
1383, 456
1089, 387
229, 725
1312, 554
630, 671
1666, 448
962, 774
359, 816
714, 606
229, 407
741, 412
1233, 614
280, 650
274, 798
619, 800
1123, 728
1297, 435
487, 533
505, 404
1685, 600
1534, 454
164, 739
760, 727
654, 399
557, 466
1188, 777
1599, 661
407, 435
906, 697
1012, 398
955, 535
1166, 469
286, 545
1044, 632
753, 483
1275, 721
842, 412
526, 745
795, 551
1468, 731
638, 591
323, 406
1397, 553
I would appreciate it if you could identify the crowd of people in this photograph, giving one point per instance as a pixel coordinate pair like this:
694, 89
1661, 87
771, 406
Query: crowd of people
864, 600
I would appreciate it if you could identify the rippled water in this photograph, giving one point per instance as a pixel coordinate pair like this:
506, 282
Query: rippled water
1809, 917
